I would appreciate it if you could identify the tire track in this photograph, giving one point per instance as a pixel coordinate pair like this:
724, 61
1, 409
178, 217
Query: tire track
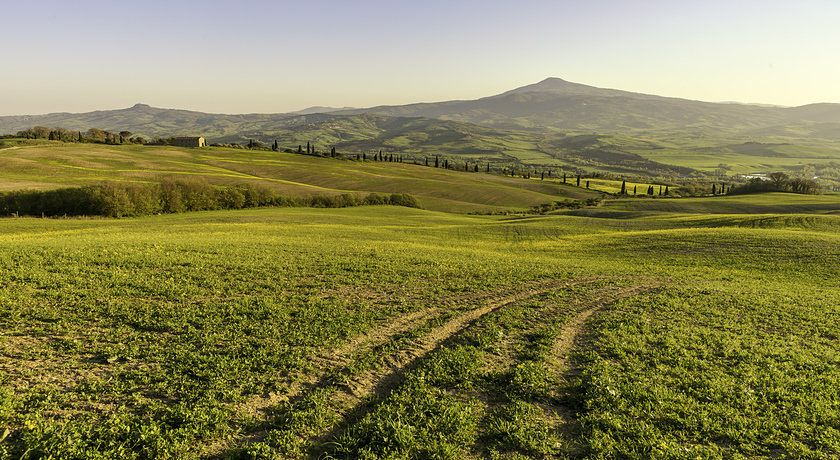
353, 399
335, 361
561, 410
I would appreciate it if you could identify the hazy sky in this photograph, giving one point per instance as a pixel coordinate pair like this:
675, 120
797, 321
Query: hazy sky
274, 56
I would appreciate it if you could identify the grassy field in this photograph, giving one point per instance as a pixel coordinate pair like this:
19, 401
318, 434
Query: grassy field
383, 332
45, 165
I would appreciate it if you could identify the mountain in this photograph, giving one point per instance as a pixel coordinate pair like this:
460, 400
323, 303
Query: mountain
550, 105
320, 109
558, 104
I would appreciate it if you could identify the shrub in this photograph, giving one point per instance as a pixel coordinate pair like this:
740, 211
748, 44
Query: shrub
171, 196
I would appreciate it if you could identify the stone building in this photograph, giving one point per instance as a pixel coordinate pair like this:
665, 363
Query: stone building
188, 142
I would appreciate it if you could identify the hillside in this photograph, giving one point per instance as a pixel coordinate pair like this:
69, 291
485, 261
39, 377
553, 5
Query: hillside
556, 103
385, 332
552, 123
47, 165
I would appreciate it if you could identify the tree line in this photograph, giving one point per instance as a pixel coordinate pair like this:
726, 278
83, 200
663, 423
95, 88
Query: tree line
172, 196
778, 182
92, 135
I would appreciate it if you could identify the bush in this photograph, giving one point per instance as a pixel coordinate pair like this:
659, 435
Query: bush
171, 196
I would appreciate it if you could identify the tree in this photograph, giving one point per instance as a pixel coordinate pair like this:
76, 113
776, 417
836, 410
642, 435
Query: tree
634, 190
623, 187
300, 148
308, 148
587, 184
660, 190
666, 190
80, 136
332, 152
427, 161
578, 180
488, 167
275, 147
780, 180
542, 175
714, 189
564, 178
437, 161
364, 156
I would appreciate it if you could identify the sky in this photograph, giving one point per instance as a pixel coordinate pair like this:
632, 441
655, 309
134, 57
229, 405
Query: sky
249, 56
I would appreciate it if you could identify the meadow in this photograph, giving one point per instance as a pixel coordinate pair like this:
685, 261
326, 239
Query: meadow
44, 165
391, 332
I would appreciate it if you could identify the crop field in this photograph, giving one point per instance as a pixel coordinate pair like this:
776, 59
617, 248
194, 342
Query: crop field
48, 165
389, 332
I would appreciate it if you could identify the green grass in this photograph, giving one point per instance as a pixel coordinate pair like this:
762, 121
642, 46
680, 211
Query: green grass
177, 336
765, 203
45, 165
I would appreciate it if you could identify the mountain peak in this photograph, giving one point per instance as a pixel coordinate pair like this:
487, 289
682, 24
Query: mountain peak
141, 106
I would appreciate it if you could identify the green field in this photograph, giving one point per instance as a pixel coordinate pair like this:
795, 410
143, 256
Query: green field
47, 165
634, 328
392, 332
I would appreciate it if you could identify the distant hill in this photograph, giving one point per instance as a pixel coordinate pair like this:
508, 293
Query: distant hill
553, 104
550, 123
556, 103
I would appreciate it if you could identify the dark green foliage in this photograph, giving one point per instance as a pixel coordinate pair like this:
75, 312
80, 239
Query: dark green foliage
777, 182
127, 200
578, 180
623, 186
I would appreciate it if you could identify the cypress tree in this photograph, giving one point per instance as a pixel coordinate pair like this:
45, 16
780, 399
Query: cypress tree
634, 190
427, 161
446, 164
660, 190
437, 161
549, 173
275, 147
488, 167
364, 156
466, 166
300, 148
475, 168
542, 175
714, 189
308, 148
623, 186
666, 190
80, 136
332, 152
564, 178
587, 184
578, 180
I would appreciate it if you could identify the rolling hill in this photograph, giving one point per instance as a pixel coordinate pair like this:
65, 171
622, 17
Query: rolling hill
50, 164
550, 123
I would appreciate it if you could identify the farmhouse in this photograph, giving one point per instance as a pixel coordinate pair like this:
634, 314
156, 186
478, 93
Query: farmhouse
188, 141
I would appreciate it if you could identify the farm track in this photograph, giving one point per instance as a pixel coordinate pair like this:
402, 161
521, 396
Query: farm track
366, 390
354, 398
351, 395
563, 369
